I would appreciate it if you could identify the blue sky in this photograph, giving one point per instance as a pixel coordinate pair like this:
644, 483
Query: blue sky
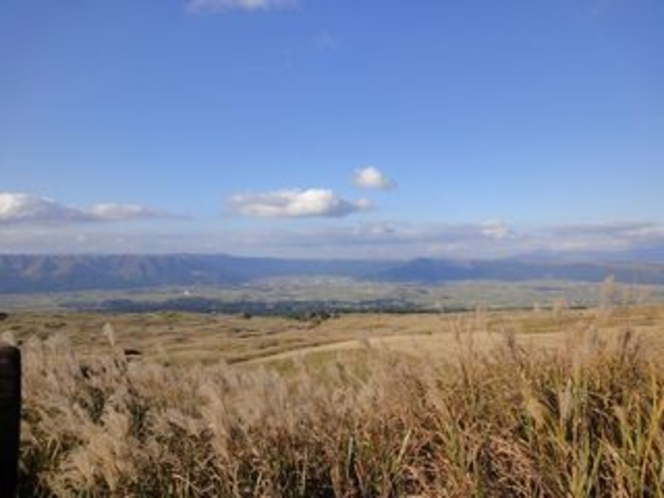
331, 128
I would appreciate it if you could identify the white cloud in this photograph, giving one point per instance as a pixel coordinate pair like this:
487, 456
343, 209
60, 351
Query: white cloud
113, 212
19, 207
496, 229
371, 177
22, 208
247, 5
295, 204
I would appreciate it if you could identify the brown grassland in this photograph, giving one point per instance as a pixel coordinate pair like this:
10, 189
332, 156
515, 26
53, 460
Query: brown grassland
551, 402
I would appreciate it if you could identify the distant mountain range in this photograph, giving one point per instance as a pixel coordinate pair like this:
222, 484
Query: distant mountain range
512, 270
52, 273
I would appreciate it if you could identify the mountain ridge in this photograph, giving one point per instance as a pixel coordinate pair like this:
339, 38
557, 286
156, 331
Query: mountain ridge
24, 273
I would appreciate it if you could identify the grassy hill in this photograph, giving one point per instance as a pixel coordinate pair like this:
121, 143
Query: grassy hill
542, 403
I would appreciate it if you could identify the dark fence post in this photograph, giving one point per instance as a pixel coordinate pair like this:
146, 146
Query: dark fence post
10, 417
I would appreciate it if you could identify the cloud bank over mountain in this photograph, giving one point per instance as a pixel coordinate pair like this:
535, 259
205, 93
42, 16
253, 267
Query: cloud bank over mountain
324, 237
272, 223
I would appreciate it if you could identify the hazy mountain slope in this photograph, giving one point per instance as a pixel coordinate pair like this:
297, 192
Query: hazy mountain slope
436, 271
45, 273
39, 273
57, 273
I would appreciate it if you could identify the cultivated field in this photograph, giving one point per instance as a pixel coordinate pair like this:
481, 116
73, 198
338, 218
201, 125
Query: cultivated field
550, 402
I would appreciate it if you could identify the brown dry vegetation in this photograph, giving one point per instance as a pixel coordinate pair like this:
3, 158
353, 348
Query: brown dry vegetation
485, 404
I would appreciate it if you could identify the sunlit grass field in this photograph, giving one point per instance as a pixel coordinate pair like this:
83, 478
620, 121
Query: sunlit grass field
548, 402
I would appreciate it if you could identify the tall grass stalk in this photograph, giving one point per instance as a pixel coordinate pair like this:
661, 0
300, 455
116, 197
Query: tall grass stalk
514, 422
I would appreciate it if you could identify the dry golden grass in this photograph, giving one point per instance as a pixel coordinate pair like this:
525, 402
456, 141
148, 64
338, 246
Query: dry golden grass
184, 338
485, 404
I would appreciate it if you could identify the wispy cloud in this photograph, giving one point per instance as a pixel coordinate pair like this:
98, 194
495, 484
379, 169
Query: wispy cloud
605, 236
386, 240
618, 229
324, 40
490, 239
246, 5
296, 204
117, 212
496, 229
372, 178
22, 208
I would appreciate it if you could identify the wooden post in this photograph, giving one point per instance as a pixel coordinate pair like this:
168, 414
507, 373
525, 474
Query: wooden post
10, 417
